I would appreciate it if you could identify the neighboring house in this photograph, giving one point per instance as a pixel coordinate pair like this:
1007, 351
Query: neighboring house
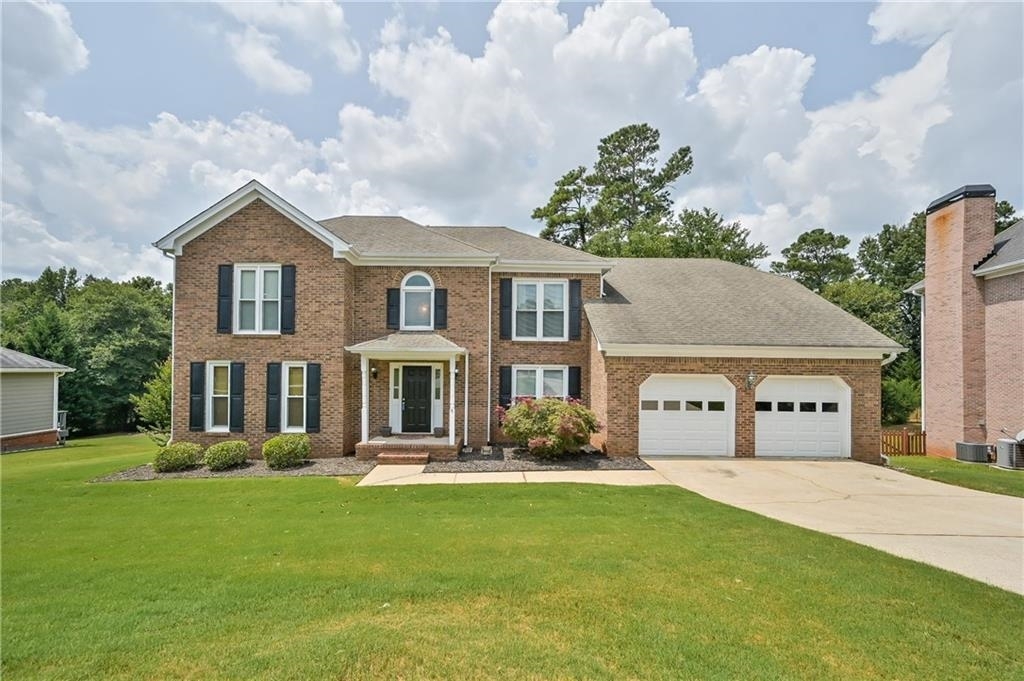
28, 400
342, 327
972, 326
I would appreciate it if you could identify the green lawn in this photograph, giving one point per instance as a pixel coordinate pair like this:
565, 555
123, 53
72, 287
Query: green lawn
972, 475
306, 578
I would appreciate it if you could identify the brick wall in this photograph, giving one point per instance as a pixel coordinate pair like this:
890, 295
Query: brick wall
958, 236
11, 443
598, 392
1004, 354
627, 373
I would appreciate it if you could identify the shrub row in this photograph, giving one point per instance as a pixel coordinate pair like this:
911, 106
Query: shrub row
282, 451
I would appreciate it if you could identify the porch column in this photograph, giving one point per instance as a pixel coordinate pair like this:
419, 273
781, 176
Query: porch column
364, 366
465, 405
451, 400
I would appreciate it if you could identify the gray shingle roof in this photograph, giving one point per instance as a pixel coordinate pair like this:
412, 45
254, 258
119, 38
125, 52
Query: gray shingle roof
1007, 247
406, 342
392, 235
513, 245
19, 361
690, 301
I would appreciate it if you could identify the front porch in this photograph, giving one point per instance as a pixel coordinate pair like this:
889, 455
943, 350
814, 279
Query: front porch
436, 448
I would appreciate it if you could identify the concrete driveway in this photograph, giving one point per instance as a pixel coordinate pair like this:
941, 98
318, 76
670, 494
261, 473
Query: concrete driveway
976, 534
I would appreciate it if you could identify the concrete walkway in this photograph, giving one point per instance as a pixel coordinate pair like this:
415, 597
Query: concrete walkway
414, 475
976, 534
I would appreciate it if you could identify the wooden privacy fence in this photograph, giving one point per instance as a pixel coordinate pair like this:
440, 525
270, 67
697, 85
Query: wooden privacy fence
903, 443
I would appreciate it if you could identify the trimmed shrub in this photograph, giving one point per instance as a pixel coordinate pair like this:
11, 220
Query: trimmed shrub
225, 455
549, 427
177, 456
286, 451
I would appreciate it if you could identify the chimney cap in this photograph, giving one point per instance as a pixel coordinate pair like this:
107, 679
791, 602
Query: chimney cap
968, 191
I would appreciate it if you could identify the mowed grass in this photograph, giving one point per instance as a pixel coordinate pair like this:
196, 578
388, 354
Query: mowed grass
307, 578
971, 475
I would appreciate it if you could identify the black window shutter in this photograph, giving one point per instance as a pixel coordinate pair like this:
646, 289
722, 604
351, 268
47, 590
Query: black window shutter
236, 418
505, 295
394, 307
575, 384
505, 386
225, 276
273, 397
441, 308
288, 299
197, 396
575, 308
312, 398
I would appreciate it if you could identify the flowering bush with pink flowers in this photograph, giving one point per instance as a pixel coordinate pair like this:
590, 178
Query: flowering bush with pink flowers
549, 427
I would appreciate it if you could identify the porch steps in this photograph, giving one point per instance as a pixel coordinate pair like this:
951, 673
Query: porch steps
403, 457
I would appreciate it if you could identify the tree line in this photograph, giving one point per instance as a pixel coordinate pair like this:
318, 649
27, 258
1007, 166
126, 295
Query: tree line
622, 207
114, 334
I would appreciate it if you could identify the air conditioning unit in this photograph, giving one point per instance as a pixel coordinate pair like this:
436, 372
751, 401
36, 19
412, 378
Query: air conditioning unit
973, 452
1009, 453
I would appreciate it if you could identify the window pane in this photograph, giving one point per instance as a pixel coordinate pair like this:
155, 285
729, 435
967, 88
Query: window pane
526, 297
417, 308
295, 380
784, 406
526, 383
830, 407
248, 287
526, 324
247, 315
417, 280
553, 383
694, 405
554, 324
671, 405
716, 405
271, 320
554, 296
295, 412
808, 406
649, 405
220, 380
762, 406
271, 284
220, 412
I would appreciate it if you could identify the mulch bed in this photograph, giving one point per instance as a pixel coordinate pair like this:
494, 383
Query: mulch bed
253, 469
511, 460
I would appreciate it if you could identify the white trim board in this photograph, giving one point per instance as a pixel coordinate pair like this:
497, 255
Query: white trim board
765, 351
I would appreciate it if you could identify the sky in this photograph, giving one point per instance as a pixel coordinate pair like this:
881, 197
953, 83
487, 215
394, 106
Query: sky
120, 121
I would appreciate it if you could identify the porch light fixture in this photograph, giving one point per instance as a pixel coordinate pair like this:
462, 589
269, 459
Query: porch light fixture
751, 378
456, 372
373, 372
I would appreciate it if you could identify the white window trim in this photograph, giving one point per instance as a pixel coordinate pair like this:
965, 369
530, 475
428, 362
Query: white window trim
210, 428
259, 268
285, 428
539, 379
415, 289
540, 337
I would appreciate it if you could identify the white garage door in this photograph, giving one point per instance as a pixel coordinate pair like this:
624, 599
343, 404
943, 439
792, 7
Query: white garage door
802, 416
689, 415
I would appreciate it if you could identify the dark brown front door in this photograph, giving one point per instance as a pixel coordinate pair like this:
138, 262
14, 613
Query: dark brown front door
416, 399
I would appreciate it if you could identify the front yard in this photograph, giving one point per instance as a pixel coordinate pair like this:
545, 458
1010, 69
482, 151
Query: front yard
313, 578
971, 475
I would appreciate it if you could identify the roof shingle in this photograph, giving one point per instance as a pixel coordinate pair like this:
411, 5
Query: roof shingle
12, 359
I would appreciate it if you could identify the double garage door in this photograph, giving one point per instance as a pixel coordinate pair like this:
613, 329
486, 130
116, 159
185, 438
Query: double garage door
695, 415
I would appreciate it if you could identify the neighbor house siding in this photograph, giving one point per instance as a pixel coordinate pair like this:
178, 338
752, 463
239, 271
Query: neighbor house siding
27, 402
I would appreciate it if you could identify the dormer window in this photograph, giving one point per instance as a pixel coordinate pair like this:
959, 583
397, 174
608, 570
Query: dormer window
417, 302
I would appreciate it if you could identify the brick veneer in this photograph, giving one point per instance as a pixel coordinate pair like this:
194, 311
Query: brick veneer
627, 373
10, 443
1004, 354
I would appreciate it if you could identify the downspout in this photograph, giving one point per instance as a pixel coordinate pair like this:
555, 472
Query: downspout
490, 324
465, 404
923, 363
889, 360
174, 316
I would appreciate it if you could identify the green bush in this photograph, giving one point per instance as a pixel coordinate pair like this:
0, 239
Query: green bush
286, 451
224, 455
900, 397
177, 456
549, 427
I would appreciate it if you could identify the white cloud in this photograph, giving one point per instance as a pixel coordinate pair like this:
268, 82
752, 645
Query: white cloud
256, 54
918, 23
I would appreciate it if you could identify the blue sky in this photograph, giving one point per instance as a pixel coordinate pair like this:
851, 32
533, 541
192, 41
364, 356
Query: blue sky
122, 120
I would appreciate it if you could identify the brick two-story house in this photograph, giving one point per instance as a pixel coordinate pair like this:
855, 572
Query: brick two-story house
353, 326
972, 322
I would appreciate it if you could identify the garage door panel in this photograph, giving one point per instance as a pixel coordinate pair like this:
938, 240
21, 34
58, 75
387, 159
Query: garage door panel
694, 416
802, 417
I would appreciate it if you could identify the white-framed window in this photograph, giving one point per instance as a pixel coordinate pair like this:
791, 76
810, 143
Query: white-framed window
540, 381
540, 310
257, 298
293, 406
417, 306
218, 397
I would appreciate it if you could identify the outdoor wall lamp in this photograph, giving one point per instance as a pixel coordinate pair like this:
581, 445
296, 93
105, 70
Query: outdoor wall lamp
751, 379
373, 372
456, 372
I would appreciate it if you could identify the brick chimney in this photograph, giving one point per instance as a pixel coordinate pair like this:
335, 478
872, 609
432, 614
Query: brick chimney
959, 233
